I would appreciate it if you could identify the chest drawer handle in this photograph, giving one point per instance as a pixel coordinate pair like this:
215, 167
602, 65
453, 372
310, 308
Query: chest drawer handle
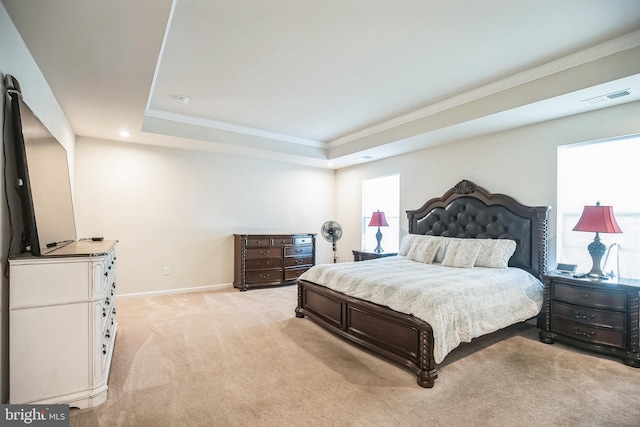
584, 316
299, 251
264, 252
265, 276
585, 334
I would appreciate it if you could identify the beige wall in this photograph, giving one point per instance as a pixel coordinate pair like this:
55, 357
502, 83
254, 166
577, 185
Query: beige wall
16, 60
520, 162
179, 209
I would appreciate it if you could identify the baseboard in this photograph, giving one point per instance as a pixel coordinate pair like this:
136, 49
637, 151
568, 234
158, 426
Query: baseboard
175, 291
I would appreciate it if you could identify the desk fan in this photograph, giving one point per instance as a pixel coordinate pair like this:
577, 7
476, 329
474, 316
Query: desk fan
332, 231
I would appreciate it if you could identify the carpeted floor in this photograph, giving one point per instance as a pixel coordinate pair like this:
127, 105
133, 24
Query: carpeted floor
230, 358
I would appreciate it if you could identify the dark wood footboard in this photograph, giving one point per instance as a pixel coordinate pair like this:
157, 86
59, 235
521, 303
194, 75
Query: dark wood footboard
396, 337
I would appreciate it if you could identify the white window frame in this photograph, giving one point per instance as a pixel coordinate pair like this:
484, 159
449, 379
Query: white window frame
591, 172
381, 193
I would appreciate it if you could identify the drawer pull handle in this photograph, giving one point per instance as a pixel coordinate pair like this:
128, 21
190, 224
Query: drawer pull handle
299, 251
264, 252
299, 261
585, 334
104, 349
585, 295
265, 276
584, 316
104, 312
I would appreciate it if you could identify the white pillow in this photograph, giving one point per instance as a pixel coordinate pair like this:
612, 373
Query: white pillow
495, 253
442, 250
423, 249
405, 244
462, 252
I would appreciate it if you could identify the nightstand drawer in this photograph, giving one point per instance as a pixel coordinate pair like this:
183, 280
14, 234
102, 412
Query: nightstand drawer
590, 297
587, 333
590, 316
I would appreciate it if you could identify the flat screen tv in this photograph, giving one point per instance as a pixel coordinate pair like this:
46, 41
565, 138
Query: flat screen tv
42, 179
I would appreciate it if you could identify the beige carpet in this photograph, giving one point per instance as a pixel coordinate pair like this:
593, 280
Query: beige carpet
230, 358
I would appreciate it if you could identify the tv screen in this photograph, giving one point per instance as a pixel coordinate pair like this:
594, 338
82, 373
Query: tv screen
43, 180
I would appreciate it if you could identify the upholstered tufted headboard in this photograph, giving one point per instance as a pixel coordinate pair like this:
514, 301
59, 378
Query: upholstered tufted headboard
470, 211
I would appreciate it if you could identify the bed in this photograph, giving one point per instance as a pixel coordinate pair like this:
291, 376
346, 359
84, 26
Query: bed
342, 299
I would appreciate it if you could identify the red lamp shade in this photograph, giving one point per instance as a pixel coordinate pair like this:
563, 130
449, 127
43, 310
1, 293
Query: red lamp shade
378, 220
598, 219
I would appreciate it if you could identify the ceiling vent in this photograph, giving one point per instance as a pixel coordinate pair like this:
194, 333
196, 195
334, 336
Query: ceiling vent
612, 95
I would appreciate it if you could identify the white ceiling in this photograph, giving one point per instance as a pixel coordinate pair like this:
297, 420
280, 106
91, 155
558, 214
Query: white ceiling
323, 80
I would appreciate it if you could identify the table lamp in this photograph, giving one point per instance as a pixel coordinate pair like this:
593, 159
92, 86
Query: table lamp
598, 219
378, 220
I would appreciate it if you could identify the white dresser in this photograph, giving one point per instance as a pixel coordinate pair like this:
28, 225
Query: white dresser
62, 325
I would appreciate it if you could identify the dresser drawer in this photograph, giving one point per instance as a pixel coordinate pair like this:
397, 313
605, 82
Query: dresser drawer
264, 253
298, 250
590, 297
261, 276
588, 333
263, 263
590, 316
262, 242
294, 273
303, 240
298, 261
282, 241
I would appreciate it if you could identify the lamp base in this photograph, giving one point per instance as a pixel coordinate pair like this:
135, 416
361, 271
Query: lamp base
378, 248
596, 249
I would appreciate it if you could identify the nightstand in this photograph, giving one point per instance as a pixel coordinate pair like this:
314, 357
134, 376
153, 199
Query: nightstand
363, 256
596, 315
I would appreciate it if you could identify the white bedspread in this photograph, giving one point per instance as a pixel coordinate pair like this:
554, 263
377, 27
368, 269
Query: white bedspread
459, 303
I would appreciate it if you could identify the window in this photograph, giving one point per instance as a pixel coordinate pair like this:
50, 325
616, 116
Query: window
605, 171
381, 194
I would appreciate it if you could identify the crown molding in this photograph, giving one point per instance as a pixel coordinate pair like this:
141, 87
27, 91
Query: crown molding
620, 44
230, 127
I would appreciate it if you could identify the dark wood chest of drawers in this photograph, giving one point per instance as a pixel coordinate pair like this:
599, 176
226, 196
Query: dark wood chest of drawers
262, 260
600, 316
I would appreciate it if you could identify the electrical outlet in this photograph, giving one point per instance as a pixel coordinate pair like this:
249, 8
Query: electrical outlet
167, 271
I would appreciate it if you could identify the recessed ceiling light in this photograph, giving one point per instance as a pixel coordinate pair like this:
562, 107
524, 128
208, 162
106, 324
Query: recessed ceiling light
183, 99
125, 133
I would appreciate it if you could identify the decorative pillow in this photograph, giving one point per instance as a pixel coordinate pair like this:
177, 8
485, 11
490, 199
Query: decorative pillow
495, 253
462, 252
442, 249
406, 242
423, 249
